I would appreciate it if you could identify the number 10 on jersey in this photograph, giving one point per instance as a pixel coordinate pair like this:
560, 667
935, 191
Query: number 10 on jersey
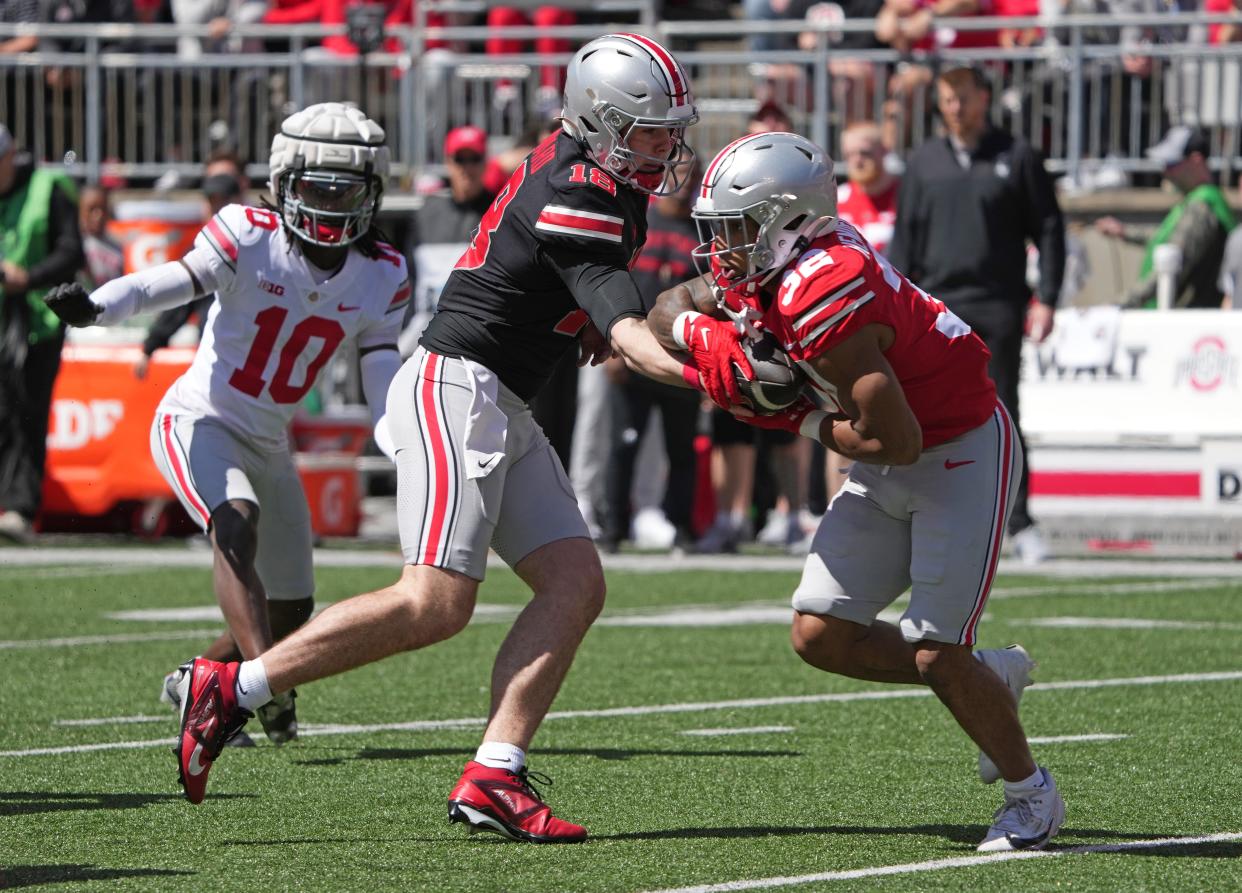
249, 379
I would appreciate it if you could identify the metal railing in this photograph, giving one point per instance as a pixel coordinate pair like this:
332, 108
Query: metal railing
120, 97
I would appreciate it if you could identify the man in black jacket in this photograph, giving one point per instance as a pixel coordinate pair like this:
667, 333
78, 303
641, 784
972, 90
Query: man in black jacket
968, 205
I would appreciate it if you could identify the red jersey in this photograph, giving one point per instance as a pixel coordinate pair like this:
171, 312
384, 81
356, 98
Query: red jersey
872, 215
840, 284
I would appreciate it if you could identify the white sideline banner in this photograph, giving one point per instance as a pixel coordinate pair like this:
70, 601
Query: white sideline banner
1108, 376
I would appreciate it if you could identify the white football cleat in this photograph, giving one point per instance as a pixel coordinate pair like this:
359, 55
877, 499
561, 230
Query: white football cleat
1013, 665
1026, 823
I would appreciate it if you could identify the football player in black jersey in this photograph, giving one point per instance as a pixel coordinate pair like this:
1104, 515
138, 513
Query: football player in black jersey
546, 272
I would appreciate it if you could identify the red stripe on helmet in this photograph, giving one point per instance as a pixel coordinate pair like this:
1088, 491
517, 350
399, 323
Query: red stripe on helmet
672, 70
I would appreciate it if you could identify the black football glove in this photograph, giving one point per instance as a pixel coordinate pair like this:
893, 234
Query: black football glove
73, 305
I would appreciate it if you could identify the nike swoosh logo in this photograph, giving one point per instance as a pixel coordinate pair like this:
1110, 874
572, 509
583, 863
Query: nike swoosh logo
196, 768
341, 308
484, 466
707, 345
950, 465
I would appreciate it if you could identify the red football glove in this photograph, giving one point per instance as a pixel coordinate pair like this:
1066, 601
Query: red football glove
716, 347
800, 417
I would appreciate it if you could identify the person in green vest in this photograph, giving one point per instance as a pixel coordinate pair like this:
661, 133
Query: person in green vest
1199, 224
40, 246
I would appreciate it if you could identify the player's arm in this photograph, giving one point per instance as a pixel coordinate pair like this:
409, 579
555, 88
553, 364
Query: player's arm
877, 426
158, 288
881, 429
694, 295
209, 266
378, 362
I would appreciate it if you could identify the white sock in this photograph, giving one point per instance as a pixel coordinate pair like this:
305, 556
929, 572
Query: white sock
1026, 786
499, 755
252, 688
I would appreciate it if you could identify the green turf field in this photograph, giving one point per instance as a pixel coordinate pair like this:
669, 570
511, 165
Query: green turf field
804, 785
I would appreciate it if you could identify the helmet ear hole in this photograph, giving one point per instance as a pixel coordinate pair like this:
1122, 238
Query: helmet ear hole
586, 125
796, 223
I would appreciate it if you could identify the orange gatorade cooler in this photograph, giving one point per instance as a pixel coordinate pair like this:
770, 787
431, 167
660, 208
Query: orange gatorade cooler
332, 492
155, 232
98, 437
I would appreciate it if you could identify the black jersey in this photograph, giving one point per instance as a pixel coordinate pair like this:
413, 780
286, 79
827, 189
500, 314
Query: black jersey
553, 249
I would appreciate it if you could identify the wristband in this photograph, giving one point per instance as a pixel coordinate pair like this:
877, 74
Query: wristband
681, 327
690, 375
811, 425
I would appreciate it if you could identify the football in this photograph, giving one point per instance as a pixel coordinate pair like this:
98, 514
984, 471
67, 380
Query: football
777, 382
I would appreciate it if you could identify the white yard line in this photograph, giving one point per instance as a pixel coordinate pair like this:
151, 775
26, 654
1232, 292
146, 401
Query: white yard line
958, 862
111, 639
424, 725
1121, 623
115, 720
1072, 739
752, 730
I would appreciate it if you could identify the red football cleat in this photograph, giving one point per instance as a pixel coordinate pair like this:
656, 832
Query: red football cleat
488, 799
209, 717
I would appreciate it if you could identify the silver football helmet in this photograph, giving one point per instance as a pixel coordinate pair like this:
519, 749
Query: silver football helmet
763, 198
328, 168
622, 81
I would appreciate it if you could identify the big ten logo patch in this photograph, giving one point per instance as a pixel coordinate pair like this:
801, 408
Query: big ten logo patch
75, 423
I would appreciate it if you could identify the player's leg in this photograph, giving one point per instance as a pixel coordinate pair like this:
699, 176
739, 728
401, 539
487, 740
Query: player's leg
444, 533
206, 466
540, 534
443, 519
961, 494
857, 566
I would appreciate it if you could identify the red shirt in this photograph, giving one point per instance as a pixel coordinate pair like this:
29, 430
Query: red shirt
872, 215
839, 285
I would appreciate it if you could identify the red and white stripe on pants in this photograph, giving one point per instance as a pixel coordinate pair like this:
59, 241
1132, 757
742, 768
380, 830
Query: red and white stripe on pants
443, 499
1006, 447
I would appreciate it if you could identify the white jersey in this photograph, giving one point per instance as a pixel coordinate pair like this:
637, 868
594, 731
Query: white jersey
272, 327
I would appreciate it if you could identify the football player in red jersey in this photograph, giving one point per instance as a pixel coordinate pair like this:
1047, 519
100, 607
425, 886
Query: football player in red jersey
909, 402
546, 272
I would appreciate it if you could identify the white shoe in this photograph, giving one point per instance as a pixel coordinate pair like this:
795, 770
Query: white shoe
1026, 823
776, 531
14, 526
1013, 665
652, 530
1029, 546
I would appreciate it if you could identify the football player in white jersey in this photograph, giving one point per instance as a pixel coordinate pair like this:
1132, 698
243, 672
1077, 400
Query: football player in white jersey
292, 282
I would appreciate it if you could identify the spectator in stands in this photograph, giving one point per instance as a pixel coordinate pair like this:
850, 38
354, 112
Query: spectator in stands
968, 204
770, 117
908, 25
40, 246
219, 16
224, 183
853, 80
1231, 266
665, 262
502, 165
868, 197
105, 260
442, 228
1199, 224
551, 77
772, 11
